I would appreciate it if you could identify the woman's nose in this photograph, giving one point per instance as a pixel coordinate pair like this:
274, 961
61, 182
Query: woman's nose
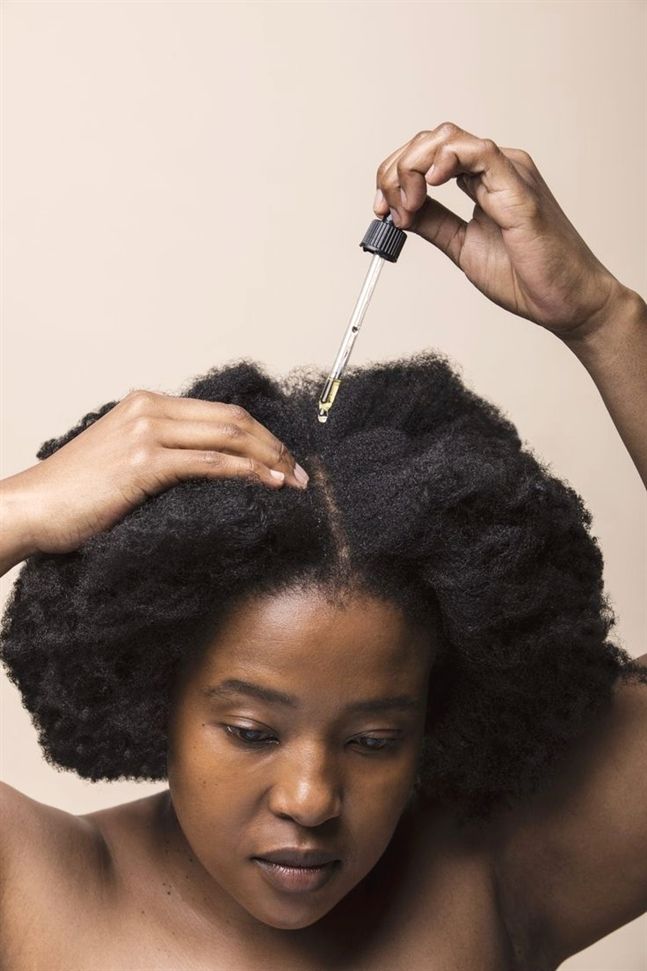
309, 793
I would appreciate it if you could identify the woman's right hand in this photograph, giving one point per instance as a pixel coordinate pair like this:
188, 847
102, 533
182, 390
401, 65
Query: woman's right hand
145, 444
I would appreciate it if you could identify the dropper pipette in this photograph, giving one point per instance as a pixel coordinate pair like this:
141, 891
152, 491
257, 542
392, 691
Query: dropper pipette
385, 241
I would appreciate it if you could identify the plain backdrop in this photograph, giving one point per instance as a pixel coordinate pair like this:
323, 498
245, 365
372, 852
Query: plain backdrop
187, 183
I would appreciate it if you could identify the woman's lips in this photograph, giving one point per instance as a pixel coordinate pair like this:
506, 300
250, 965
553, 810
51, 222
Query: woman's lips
294, 879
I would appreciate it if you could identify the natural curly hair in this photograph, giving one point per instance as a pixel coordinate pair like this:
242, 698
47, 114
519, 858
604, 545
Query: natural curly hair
420, 493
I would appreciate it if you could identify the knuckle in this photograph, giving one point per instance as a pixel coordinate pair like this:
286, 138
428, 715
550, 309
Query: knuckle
526, 159
281, 453
141, 458
231, 431
214, 459
447, 129
253, 471
238, 414
382, 170
489, 145
520, 155
391, 179
420, 136
141, 428
401, 166
138, 401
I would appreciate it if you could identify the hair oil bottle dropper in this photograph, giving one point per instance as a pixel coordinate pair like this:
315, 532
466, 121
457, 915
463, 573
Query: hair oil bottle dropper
385, 241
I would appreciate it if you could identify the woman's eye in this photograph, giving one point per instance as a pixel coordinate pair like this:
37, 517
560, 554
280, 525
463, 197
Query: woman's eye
250, 737
242, 735
380, 743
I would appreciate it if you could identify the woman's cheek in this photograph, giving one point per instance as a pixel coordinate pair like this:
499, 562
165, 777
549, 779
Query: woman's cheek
204, 757
194, 759
395, 781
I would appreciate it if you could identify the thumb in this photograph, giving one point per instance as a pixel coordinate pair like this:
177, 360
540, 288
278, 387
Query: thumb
440, 226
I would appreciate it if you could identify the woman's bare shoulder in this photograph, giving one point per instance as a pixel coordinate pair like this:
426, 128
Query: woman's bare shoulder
40, 842
49, 865
574, 855
129, 830
59, 870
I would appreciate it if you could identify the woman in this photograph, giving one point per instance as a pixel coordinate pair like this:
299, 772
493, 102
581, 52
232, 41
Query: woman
394, 731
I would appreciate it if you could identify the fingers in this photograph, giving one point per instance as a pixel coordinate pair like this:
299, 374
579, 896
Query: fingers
228, 437
442, 227
176, 465
467, 185
434, 157
190, 423
523, 163
401, 178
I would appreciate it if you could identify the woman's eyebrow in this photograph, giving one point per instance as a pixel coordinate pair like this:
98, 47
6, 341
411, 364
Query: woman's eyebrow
235, 686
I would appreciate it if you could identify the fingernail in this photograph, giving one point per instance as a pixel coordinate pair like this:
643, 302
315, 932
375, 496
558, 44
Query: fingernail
403, 196
395, 216
301, 475
379, 199
430, 171
277, 475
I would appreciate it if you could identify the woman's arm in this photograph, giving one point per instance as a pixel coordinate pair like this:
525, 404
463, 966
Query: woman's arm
15, 544
144, 444
613, 349
521, 251
571, 863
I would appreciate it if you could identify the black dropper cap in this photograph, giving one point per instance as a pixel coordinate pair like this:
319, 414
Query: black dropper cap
384, 238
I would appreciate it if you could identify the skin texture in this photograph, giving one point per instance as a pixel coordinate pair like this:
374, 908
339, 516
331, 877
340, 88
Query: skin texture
313, 785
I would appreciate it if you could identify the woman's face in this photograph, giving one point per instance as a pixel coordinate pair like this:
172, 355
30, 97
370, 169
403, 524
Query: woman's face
299, 727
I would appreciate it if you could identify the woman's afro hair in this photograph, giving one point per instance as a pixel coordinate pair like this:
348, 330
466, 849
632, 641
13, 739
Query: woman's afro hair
421, 494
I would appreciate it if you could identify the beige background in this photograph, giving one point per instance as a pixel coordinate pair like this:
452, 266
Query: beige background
187, 183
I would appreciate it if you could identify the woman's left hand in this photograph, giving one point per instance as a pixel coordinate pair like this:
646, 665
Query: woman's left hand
519, 249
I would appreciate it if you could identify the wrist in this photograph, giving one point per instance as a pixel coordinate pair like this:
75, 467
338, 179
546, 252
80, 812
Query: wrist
622, 319
17, 542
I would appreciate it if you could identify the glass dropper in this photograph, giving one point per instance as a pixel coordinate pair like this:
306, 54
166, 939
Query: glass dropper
385, 241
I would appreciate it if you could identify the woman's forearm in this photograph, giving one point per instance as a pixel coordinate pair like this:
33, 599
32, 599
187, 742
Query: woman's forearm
15, 542
614, 352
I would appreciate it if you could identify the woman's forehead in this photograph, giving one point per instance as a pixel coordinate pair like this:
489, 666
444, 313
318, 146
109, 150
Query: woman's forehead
302, 634
312, 614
